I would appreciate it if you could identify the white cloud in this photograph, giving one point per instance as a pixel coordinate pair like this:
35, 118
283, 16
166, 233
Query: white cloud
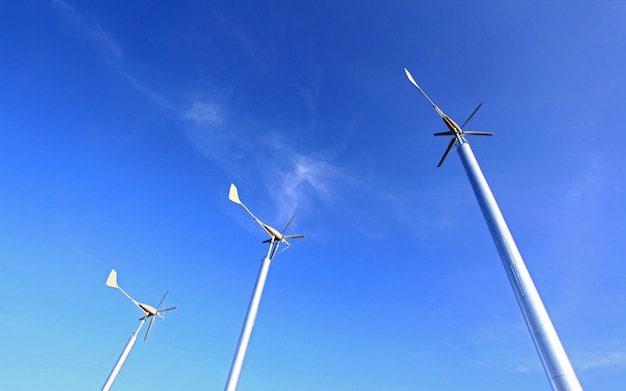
587, 182
212, 129
215, 135
306, 173
601, 361
204, 114
292, 176
92, 29
107, 46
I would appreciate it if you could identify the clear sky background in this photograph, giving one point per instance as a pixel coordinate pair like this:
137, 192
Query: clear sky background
122, 125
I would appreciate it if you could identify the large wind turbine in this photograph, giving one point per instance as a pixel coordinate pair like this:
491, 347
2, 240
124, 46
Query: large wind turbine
555, 362
149, 312
276, 238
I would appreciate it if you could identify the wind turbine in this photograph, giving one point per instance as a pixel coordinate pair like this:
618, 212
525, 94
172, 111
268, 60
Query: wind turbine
276, 238
555, 362
149, 312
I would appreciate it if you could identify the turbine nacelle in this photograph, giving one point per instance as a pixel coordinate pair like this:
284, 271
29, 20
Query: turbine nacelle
455, 131
148, 309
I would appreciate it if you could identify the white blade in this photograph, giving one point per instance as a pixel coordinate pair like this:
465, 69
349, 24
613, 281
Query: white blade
164, 310
149, 327
289, 223
163, 299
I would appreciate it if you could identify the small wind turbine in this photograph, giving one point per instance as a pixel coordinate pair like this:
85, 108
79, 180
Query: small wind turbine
455, 130
555, 362
276, 238
149, 312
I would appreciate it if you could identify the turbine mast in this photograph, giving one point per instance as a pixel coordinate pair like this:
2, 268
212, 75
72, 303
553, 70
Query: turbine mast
253, 308
555, 362
553, 357
120, 361
248, 325
149, 312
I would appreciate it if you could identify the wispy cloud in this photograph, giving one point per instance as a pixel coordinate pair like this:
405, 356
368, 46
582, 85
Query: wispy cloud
503, 344
214, 130
306, 175
293, 175
510, 364
204, 114
92, 29
107, 46
586, 182
610, 360
211, 131
495, 345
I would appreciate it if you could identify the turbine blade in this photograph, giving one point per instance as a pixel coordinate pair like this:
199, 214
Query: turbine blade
452, 142
275, 249
448, 133
471, 115
165, 310
149, 327
286, 244
289, 223
163, 299
477, 133
293, 236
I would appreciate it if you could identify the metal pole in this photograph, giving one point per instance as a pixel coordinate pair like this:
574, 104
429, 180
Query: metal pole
246, 332
120, 361
551, 352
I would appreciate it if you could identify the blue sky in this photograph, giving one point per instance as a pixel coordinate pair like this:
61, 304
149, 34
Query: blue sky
123, 125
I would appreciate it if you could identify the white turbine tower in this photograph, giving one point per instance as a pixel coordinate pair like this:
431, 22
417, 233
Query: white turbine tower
149, 312
276, 238
555, 362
